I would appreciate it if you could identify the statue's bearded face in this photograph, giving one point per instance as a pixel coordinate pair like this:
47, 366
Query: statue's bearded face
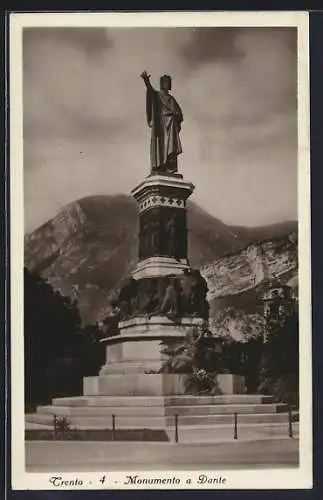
166, 83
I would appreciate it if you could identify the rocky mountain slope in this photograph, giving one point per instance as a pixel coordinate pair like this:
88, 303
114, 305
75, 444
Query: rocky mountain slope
91, 245
236, 284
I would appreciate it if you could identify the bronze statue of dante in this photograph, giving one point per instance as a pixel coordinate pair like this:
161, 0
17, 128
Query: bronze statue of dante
164, 117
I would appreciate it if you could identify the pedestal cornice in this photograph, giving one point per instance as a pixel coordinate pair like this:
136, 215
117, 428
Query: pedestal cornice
154, 328
156, 183
159, 266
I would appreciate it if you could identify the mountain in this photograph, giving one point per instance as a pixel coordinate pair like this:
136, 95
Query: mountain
258, 234
92, 243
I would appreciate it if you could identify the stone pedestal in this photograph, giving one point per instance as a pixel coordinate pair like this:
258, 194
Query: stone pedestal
157, 306
138, 348
135, 357
161, 302
162, 223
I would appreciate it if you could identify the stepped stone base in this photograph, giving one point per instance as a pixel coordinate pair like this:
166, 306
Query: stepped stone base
200, 418
166, 401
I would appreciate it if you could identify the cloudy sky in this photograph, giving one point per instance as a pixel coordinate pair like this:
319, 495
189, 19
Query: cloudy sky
84, 116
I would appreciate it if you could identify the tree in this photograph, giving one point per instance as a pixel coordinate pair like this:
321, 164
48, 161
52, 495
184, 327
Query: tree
58, 352
242, 347
279, 373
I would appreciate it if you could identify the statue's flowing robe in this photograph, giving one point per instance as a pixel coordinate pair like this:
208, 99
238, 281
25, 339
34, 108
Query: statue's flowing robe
164, 117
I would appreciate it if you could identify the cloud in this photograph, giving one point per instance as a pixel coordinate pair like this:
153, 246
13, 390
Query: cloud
209, 44
84, 116
91, 40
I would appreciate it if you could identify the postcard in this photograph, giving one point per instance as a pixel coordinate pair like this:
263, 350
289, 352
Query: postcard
160, 251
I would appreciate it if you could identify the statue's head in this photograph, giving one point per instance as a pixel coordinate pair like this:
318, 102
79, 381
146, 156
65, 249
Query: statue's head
165, 83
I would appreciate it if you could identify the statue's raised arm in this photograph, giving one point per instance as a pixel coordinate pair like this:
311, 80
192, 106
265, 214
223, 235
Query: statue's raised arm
146, 78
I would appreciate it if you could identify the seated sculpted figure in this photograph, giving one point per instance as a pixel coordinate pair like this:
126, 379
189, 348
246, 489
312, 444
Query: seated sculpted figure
171, 302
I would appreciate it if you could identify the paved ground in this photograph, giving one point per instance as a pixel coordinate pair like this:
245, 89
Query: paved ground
64, 456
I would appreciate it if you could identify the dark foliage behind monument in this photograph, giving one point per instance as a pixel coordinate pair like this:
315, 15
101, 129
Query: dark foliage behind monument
58, 351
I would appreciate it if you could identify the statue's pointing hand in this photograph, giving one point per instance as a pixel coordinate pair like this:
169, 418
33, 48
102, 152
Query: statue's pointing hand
144, 75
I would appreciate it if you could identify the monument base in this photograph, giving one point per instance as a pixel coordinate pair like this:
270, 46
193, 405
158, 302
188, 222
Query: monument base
138, 348
130, 393
134, 360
